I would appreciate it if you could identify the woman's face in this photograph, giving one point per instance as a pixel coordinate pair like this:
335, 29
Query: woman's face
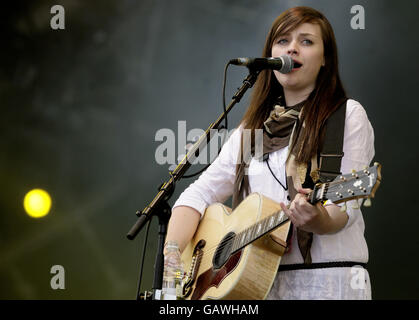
305, 46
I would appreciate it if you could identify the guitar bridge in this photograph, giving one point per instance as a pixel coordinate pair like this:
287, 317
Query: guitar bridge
193, 269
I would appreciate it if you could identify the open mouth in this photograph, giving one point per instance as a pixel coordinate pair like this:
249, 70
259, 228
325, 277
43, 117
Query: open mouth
297, 65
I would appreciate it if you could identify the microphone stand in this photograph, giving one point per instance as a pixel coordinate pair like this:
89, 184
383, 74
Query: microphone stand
160, 207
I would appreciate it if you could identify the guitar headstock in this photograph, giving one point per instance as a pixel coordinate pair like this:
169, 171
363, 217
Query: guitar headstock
355, 185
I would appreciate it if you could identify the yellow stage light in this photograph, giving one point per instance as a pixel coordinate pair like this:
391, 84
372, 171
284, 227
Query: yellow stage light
37, 203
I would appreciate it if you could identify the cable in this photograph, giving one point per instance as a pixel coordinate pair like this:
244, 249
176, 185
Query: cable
285, 188
142, 262
224, 95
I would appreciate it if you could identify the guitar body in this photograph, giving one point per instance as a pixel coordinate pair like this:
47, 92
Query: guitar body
248, 273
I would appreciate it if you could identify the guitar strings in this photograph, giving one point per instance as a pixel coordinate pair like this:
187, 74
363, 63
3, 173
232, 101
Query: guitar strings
330, 187
227, 240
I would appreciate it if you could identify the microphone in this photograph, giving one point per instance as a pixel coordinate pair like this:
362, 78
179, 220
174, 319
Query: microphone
283, 64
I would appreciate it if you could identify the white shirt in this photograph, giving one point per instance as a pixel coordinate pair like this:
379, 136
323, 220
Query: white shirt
348, 244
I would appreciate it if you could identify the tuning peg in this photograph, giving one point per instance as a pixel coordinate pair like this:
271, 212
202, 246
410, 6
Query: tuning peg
343, 208
354, 174
355, 205
367, 202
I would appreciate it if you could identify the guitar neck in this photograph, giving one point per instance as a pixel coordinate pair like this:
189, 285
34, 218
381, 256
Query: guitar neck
355, 185
257, 230
268, 224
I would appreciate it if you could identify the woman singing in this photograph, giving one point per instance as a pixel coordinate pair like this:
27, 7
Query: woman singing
292, 110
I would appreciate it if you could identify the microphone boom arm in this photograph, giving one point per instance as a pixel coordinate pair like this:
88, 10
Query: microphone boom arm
167, 188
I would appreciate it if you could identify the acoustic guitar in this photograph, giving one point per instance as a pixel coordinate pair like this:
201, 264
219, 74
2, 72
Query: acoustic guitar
236, 254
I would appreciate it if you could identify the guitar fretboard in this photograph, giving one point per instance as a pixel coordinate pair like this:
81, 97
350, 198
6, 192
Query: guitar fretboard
258, 229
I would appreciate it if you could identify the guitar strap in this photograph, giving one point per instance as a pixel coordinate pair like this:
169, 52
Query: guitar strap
330, 159
332, 150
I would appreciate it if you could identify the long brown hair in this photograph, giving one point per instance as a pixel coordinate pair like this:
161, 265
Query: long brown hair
326, 97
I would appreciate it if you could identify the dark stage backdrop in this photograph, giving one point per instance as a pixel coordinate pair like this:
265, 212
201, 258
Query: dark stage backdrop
81, 107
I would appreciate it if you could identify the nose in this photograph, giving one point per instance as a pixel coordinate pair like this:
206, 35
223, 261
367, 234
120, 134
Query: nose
292, 48
292, 51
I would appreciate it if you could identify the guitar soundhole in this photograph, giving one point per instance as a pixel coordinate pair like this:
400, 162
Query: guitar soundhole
223, 251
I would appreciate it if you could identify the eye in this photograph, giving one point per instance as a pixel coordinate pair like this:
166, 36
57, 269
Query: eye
307, 41
282, 41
